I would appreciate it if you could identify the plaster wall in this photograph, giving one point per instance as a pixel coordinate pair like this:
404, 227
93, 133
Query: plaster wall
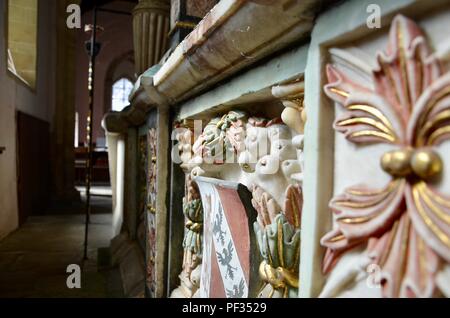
15, 96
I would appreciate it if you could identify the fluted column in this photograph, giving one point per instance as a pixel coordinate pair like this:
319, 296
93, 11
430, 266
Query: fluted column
150, 32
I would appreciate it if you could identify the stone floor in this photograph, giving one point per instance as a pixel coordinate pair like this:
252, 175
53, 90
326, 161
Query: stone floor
34, 259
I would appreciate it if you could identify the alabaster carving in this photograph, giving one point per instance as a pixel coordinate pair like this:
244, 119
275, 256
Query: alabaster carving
404, 227
228, 247
292, 97
222, 139
268, 157
278, 236
142, 188
152, 141
277, 229
193, 215
294, 116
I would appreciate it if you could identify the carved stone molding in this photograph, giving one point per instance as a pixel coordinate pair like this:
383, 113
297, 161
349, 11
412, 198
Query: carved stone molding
405, 108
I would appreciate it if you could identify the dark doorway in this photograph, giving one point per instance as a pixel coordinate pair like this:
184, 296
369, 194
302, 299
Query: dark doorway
33, 167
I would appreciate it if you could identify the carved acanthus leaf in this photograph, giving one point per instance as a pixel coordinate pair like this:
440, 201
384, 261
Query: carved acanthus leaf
406, 225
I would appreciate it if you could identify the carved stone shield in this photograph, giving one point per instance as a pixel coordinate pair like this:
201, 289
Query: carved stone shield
230, 253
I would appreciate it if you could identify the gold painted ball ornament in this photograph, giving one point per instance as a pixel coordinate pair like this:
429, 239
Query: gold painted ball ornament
423, 163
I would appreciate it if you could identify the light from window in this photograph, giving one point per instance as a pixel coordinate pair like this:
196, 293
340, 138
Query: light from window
120, 92
22, 39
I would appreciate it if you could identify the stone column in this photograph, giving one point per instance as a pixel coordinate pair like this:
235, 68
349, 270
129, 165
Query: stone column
63, 157
116, 153
150, 32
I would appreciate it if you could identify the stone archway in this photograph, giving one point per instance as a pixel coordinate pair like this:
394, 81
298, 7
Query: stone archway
121, 67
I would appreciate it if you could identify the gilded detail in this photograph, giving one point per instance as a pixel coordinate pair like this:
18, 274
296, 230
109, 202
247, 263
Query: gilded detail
278, 235
406, 225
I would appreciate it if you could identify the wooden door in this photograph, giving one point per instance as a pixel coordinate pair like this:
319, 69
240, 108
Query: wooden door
33, 168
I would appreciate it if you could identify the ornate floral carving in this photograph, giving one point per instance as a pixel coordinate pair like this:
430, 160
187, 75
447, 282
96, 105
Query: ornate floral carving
406, 225
185, 138
193, 214
152, 140
222, 139
268, 158
277, 230
278, 235
143, 155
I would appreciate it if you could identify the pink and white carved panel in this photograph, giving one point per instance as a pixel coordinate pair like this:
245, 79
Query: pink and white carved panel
391, 210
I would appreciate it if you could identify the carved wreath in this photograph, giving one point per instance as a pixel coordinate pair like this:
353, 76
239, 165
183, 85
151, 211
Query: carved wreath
406, 225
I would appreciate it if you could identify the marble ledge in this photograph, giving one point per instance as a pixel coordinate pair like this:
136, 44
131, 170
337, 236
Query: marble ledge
251, 86
209, 55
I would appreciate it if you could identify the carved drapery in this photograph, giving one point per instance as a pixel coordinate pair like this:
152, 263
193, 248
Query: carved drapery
269, 154
229, 247
405, 105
